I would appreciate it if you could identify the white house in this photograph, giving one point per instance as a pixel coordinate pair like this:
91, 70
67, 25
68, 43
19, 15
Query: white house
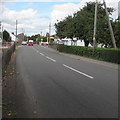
75, 42
13, 37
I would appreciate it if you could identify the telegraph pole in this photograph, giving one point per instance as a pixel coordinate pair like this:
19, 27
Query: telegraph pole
49, 31
1, 31
16, 29
95, 25
110, 26
23, 34
41, 34
49, 28
22, 30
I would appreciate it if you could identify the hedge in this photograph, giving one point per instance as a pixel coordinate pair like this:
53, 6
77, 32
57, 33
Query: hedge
104, 54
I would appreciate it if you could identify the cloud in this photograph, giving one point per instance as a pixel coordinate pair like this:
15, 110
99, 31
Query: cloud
33, 22
10, 15
60, 11
29, 19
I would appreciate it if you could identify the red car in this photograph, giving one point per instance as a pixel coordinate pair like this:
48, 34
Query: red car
30, 43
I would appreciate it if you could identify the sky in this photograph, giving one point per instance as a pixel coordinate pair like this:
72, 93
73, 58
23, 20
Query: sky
34, 16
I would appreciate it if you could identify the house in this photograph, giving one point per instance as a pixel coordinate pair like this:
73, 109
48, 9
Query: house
20, 37
74, 42
13, 37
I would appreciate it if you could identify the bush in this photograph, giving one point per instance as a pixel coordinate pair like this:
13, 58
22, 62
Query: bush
105, 54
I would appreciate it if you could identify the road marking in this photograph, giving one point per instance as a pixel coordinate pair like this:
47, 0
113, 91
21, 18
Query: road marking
42, 54
43, 46
38, 52
51, 59
33, 48
78, 71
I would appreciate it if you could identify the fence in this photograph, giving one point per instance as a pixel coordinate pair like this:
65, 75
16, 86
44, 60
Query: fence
6, 44
6, 56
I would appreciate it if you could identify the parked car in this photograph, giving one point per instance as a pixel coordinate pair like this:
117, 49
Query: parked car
24, 42
44, 43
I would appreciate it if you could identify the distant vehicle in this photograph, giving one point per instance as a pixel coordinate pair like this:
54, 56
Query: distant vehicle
30, 43
24, 42
44, 43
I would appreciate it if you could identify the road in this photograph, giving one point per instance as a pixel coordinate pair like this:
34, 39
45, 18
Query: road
51, 85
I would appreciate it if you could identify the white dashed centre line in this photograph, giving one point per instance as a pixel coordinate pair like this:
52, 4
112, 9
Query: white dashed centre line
65, 65
42, 54
78, 71
51, 59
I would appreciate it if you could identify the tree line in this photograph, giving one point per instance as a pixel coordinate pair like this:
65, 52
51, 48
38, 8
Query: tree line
80, 25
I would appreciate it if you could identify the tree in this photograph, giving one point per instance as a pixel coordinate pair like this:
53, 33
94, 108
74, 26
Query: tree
82, 23
85, 19
116, 29
85, 24
103, 32
6, 36
60, 29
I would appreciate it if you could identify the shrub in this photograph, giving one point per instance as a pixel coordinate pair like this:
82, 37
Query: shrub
105, 54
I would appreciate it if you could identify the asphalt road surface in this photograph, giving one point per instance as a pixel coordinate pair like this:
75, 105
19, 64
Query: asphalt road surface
51, 85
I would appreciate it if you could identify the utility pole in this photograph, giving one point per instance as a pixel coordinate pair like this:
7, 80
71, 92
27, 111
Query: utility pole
23, 34
49, 31
16, 29
22, 30
1, 31
95, 25
41, 34
110, 26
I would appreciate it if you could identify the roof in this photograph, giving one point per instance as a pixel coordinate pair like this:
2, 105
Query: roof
13, 38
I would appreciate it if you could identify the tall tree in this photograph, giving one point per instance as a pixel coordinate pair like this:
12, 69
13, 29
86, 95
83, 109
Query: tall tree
60, 29
6, 36
116, 29
82, 23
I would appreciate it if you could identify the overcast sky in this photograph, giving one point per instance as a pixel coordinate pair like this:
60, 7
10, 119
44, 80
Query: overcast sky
34, 16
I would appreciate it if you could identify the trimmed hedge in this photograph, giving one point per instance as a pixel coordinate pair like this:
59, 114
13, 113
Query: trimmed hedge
104, 54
